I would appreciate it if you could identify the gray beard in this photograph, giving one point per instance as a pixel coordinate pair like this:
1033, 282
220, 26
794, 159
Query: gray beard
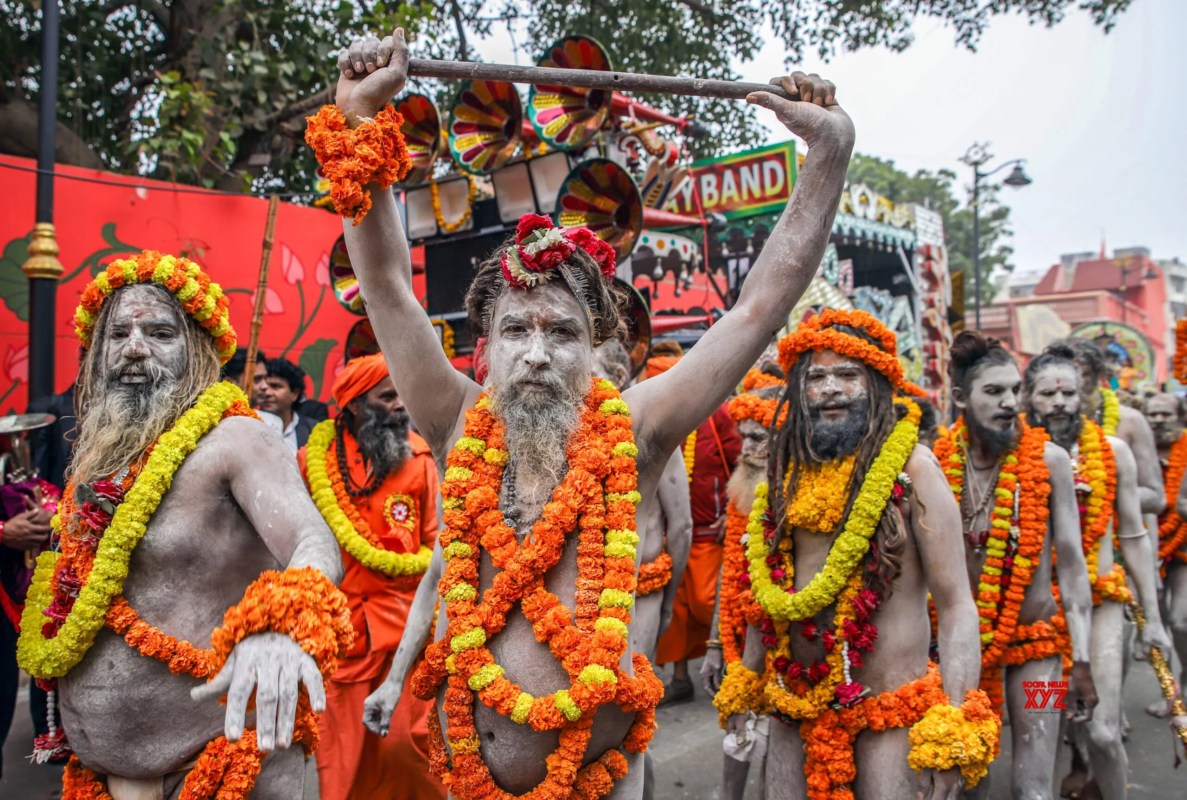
125, 418
830, 439
1166, 435
997, 442
537, 428
1064, 432
740, 489
382, 439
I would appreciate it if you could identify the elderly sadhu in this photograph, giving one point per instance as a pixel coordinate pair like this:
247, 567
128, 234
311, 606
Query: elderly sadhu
375, 483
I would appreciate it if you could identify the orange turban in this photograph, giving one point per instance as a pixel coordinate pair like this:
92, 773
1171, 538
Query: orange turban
360, 376
658, 365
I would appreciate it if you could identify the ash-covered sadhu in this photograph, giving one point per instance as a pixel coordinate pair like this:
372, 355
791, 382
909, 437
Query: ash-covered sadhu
547, 471
183, 524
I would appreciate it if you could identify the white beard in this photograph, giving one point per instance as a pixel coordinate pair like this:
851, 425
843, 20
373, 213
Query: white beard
740, 488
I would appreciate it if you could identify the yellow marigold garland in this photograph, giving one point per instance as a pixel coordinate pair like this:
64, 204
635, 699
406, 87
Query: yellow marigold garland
850, 546
1098, 468
393, 565
442, 223
1110, 416
690, 454
965, 737
52, 658
200, 297
741, 690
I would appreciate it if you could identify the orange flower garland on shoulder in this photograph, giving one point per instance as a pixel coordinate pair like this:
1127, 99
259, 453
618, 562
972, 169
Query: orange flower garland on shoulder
374, 152
598, 496
1172, 529
1017, 538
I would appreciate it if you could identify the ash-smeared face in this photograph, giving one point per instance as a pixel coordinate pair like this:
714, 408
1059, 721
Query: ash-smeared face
1054, 403
837, 391
991, 406
754, 442
1163, 414
144, 347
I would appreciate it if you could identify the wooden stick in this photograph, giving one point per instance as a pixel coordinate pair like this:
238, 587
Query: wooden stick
1166, 678
257, 315
590, 79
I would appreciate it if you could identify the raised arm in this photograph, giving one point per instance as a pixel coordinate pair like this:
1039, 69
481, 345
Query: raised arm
433, 391
678, 401
1134, 428
1072, 569
1135, 546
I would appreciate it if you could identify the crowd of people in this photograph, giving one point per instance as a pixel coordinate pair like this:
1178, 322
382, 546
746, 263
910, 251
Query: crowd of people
458, 584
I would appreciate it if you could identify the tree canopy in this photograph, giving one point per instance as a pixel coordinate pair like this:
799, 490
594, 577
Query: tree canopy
936, 190
214, 92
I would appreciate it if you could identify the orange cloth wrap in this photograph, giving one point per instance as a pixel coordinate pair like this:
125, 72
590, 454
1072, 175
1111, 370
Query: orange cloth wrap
692, 612
360, 376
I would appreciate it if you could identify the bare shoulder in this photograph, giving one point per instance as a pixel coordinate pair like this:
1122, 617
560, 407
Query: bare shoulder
923, 463
1057, 459
247, 443
1131, 419
1122, 452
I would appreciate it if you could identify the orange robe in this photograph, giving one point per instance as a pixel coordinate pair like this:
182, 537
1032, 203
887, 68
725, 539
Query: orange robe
352, 762
718, 446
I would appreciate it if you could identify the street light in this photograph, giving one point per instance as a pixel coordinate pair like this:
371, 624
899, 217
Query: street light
977, 156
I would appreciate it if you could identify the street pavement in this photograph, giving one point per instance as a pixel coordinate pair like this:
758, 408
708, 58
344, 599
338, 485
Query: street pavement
687, 754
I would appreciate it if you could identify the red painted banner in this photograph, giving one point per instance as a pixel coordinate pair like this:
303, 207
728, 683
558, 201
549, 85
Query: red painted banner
98, 222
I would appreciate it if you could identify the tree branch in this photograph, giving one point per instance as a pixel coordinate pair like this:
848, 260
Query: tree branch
302, 106
701, 9
463, 49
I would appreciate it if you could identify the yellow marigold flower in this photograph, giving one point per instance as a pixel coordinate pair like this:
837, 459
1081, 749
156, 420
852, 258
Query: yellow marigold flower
611, 623
485, 676
626, 449
475, 637
566, 706
615, 405
475, 446
523, 706
596, 673
456, 549
458, 474
500, 458
616, 598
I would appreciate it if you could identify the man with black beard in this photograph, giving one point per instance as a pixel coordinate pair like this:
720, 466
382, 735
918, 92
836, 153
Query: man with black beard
1165, 413
375, 483
1052, 399
990, 454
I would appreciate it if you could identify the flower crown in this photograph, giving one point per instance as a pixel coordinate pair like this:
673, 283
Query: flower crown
541, 248
200, 297
817, 333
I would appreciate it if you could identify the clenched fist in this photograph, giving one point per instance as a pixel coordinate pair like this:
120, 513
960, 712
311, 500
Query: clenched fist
373, 72
816, 118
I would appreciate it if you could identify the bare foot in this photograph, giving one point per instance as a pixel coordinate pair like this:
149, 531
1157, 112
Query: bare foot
1157, 709
1091, 791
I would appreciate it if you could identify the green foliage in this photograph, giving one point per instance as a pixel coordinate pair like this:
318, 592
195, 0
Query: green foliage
214, 92
935, 190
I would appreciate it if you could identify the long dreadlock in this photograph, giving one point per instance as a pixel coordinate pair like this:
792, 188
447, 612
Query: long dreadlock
790, 449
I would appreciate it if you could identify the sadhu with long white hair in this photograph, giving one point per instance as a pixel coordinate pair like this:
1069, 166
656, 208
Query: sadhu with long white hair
190, 552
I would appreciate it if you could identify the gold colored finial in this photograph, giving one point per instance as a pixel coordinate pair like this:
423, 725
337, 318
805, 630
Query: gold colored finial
43, 254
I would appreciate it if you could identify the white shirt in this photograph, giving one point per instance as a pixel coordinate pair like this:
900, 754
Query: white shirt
272, 421
290, 433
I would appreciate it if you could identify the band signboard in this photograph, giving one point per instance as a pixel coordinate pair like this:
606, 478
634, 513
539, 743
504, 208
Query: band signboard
739, 185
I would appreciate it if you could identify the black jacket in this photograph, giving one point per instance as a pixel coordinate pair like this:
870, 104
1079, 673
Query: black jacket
53, 445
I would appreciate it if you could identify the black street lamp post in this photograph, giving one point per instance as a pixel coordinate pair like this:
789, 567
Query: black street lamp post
43, 268
977, 156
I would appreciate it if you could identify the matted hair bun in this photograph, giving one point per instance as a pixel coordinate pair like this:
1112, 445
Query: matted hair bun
1060, 350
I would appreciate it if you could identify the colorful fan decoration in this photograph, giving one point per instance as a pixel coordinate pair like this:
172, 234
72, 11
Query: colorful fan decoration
568, 117
600, 195
422, 136
485, 125
361, 340
346, 285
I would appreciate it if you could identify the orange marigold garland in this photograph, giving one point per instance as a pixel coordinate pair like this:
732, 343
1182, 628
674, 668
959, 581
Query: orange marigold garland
598, 496
654, 575
1181, 350
1014, 545
374, 152
735, 583
757, 379
200, 298
1172, 529
815, 333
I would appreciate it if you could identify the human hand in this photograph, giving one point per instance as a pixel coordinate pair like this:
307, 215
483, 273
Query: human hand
28, 530
712, 668
1081, 696
735, 723
381, 704
373, 72
815, 117
1153, 635
274, 667
719, 526
940, 784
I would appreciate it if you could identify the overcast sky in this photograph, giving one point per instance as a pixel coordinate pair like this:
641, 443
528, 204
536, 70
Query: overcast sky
1101, 120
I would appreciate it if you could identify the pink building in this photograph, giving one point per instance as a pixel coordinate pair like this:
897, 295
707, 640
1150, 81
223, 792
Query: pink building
1129, 288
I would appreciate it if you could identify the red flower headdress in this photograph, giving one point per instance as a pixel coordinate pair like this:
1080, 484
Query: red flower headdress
541, 248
